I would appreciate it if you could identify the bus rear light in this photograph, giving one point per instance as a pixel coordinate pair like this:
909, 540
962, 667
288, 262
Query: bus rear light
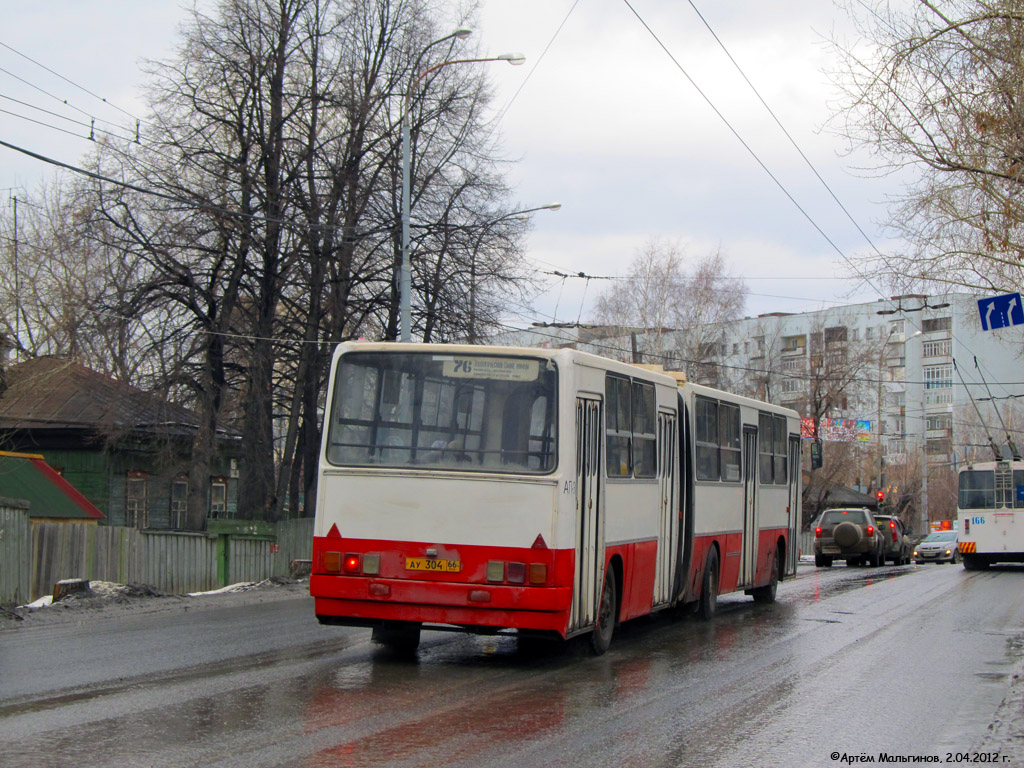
380, 590
538, 573
967, 525
351, 564
332, 562
371, 565
501, 572
517, 573
479, 596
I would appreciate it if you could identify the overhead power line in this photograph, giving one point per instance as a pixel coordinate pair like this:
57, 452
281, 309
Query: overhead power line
68, 81
865, 278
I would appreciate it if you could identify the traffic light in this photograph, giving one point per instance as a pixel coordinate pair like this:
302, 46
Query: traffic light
880, 498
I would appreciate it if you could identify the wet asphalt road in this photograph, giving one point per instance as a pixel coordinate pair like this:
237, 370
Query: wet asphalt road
909, 661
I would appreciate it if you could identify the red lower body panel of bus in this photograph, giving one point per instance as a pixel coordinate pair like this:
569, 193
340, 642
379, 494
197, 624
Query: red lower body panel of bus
362, 581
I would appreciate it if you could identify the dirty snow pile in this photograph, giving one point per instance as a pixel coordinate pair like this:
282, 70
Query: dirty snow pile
103, 594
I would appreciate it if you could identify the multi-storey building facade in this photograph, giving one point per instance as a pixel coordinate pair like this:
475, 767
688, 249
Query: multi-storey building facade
910, 374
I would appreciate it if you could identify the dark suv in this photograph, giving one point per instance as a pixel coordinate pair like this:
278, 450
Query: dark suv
897, 547
848, 534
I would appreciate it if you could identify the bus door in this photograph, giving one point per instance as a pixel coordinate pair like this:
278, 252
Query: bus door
668, 516
589, 545
795, 489
750, 528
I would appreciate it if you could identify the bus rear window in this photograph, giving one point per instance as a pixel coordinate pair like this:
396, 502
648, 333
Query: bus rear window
465, 412
977, 489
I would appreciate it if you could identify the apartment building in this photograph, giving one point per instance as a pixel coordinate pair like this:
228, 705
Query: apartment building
901, 375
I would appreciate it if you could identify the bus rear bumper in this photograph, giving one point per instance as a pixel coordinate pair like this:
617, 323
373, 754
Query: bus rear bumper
364, 601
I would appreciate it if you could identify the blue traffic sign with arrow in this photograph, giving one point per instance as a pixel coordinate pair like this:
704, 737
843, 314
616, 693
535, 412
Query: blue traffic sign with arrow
1001, 311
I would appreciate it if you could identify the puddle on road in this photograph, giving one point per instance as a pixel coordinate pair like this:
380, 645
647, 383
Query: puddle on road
847, 579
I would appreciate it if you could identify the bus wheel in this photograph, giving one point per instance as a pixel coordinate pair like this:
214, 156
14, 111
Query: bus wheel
709, 587
974, 563
766, 594
607, 609
398, 636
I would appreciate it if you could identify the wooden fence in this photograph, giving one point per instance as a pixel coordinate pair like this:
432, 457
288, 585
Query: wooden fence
15, 551
174, 562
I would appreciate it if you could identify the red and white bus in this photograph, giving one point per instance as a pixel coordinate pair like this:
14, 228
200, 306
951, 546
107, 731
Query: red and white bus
551, 492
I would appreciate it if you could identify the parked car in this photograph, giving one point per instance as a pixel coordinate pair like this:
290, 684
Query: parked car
847, 534
897, 545
937, 547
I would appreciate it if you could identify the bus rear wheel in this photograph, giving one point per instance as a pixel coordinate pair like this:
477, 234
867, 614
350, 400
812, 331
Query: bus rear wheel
607, 609
398, 636
766, 594
974, 563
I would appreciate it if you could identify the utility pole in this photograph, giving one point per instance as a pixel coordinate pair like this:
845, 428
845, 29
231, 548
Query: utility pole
17, 285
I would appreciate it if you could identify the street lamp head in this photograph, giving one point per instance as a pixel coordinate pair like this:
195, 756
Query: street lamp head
515, 59
462, 34
551, 206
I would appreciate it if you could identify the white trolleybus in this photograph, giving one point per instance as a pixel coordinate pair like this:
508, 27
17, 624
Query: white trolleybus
552, 492
990, 511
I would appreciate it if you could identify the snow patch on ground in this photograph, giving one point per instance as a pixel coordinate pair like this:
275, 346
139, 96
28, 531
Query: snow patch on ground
105, 598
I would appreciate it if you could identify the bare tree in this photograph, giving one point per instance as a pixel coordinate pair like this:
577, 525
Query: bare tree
678, 313
260, 214
937, 94
842, 464
64, 292
840, 369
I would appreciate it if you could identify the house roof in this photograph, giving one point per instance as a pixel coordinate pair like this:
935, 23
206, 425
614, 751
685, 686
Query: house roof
27, 476
840, 494
52, 393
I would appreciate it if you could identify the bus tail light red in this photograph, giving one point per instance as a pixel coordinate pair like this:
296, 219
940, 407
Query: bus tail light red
517, 573
499, 571
351, 563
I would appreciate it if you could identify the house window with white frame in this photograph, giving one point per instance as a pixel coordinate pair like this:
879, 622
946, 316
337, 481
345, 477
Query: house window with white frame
938, 376
179, 501
136, 499
218, 497
940, 348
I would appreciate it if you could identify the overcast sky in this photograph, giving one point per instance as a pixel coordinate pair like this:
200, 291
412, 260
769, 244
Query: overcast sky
604, 122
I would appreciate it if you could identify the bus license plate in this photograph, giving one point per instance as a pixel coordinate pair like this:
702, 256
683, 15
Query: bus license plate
432, 564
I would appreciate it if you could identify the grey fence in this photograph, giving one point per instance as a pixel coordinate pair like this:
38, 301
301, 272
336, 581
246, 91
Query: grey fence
174, 562
807, 543
15, 552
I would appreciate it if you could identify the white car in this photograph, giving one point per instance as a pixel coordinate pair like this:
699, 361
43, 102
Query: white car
937, 547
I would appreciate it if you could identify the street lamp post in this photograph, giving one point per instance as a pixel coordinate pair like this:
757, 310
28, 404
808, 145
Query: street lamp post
476, 247
405, 274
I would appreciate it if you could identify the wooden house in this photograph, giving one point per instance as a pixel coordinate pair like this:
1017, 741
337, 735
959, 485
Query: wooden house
126, 450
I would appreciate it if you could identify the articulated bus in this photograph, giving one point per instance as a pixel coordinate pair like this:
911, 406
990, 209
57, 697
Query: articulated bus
990, 511
542, 492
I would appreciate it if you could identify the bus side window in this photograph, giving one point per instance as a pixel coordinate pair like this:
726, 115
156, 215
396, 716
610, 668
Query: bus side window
618, 426
643, 428
708, 467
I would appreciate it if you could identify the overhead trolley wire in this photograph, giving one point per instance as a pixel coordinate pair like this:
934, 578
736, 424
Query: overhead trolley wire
866, 279
68, 81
